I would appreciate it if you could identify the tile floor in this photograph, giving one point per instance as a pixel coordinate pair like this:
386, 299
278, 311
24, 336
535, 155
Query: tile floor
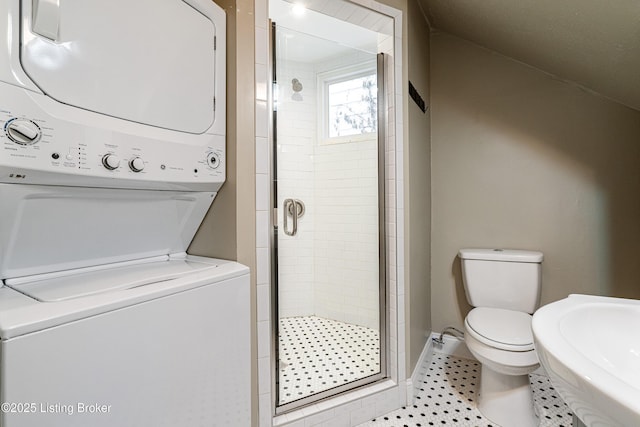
317, 354
447, 396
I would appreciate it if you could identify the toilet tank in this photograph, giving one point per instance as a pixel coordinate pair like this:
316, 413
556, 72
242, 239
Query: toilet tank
502, 278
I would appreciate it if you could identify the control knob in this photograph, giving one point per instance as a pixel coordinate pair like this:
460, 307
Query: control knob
213, 160
136, 164
111, 161
23, 132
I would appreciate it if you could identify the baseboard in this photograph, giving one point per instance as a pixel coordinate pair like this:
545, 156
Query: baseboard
424, 359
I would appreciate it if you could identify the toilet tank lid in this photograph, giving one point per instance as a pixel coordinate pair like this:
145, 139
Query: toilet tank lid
507, 255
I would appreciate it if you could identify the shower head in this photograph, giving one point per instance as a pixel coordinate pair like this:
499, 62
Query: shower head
296, 85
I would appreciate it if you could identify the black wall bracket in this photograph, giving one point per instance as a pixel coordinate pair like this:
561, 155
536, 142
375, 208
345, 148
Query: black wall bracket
413, 93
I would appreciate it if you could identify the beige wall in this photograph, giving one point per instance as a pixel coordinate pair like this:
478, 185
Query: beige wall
417, 181
216, 236
228, 230
523, 160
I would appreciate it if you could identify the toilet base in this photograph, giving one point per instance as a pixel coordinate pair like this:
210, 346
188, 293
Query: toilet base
506, 400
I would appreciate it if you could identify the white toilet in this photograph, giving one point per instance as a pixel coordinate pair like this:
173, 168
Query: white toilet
504, 287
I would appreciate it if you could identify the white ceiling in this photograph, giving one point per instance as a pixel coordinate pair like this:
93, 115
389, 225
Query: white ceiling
594, 43
312, 36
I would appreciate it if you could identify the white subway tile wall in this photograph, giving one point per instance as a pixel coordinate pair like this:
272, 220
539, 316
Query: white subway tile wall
265, 403
330, 268
296, 141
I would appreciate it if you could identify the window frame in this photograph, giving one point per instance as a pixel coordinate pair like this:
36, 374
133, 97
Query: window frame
339, 75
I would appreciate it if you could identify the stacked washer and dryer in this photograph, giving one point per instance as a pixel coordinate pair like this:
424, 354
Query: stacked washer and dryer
112, 149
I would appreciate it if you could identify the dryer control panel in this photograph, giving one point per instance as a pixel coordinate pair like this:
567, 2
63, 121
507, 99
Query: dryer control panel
71, 113
45, 142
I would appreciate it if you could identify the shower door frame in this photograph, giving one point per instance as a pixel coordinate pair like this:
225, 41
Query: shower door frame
383, 278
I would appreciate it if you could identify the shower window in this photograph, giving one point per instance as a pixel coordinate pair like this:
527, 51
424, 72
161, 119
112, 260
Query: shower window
348, 104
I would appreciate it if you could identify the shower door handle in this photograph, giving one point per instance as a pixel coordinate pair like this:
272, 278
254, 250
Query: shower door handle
295, 208
288, 203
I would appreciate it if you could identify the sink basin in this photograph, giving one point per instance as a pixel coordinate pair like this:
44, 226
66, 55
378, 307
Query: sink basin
590, 347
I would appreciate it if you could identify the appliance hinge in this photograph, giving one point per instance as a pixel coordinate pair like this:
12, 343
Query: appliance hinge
214, 103
215, 42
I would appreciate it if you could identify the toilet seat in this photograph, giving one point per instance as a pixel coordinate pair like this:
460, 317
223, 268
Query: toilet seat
502, 329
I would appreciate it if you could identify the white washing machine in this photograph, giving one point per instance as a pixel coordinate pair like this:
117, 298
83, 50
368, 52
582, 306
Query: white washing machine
112, 149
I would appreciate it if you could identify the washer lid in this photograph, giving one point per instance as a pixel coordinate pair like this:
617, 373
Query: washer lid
508, 329
145, 61
109, 279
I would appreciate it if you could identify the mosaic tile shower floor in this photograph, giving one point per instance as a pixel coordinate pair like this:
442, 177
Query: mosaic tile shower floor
317, 354
447, 396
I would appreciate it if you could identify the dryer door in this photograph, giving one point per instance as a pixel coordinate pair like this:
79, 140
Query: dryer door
146, 61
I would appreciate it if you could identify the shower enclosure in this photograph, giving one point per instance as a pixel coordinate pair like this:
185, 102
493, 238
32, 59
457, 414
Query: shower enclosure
328, 199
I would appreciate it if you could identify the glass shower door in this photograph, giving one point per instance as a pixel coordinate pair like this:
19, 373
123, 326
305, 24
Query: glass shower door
328, 199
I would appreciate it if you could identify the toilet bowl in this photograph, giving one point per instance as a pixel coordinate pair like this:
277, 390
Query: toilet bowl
502, 342
504, 287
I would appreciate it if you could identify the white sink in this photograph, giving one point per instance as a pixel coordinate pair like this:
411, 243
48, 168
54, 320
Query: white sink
590, 346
